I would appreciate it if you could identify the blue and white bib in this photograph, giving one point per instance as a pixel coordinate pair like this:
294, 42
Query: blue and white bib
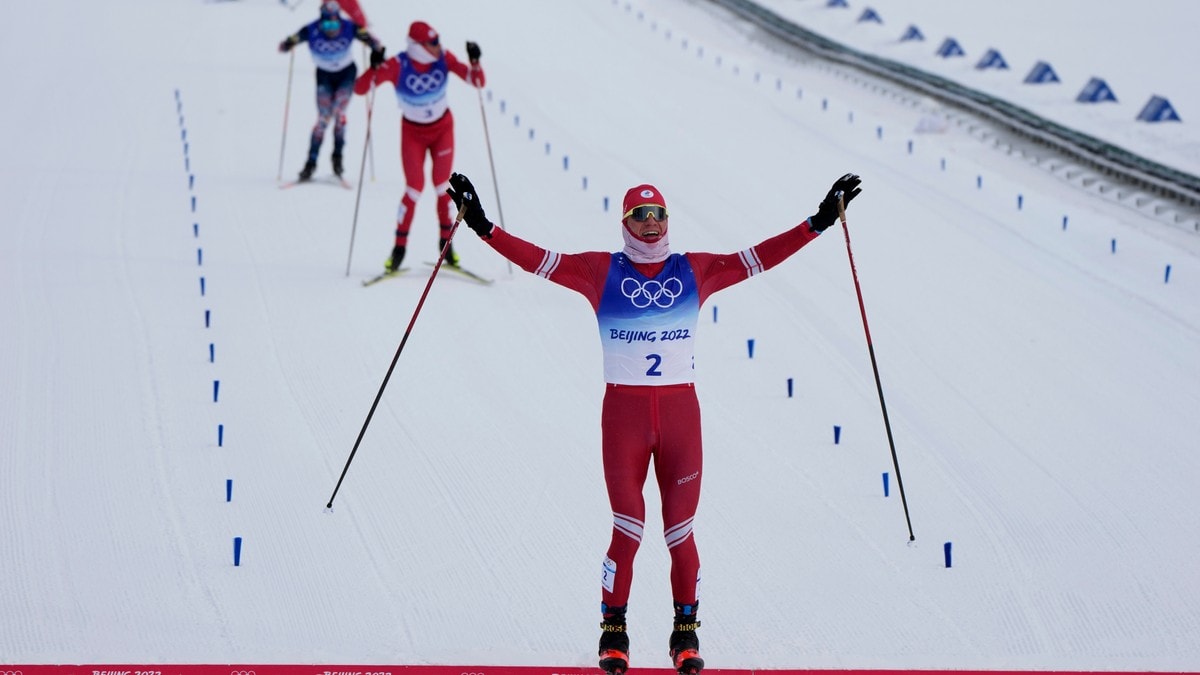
648, 326
422, 96
331, 53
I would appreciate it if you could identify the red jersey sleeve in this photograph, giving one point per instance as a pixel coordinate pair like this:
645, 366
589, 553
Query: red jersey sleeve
717, 271
584, 273
389, 71
471, 72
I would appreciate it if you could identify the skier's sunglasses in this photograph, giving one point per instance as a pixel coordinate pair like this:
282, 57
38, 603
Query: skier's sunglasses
640, 213
330, 25
433, 42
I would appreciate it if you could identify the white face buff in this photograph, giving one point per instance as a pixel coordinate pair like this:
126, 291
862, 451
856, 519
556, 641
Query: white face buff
641, 251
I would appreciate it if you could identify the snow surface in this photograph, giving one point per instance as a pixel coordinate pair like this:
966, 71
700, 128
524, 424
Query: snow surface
1042, 381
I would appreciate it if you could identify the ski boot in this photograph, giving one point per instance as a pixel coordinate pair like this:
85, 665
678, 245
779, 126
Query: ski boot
451, 256
337, 164
307, 172
684, 645
393, 262
614, 642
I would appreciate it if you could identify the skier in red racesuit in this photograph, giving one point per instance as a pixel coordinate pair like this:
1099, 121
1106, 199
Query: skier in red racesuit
420, 75
647, 302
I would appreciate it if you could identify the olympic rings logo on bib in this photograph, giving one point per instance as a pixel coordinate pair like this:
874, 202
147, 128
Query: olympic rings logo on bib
652, 292
331, 46
419, 83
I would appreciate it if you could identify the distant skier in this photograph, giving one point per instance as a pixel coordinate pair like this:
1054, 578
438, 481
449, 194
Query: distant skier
420, 75
329, 39
647, 302
351, 9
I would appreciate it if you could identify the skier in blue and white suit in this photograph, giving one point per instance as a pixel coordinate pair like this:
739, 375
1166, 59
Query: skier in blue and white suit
329, 39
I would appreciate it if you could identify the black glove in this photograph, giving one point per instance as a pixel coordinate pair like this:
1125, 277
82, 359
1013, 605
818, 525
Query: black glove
377, 56
847, 188
473, 52
286, 45
467, 200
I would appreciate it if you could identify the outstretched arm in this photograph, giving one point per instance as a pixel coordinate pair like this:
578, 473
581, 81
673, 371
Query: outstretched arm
715, 272
581, 272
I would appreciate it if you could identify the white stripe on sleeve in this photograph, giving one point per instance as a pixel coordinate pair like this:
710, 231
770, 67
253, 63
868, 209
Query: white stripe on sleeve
749, 258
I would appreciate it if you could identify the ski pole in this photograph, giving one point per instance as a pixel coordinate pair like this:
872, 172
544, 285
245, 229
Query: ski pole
495, 185
287, 103
370, 141
361, 169
408, 331
874, 366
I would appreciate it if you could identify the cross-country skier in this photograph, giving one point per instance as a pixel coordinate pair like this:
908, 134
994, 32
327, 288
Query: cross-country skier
420, 75
647, 303
329, 39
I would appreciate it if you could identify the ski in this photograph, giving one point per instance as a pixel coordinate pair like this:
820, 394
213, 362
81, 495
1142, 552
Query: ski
324, 180
465, 273
383, 275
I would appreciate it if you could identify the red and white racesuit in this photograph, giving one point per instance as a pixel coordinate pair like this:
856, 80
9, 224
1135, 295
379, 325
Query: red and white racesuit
647, 313
426, 127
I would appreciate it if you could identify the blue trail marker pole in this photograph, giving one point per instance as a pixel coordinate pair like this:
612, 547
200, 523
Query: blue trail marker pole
946, 553
237, 551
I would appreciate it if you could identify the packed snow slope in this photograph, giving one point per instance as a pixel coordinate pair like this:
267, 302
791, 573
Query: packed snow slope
176, 325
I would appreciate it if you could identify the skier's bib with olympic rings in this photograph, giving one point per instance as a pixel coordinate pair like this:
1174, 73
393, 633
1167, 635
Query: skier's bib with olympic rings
648, 326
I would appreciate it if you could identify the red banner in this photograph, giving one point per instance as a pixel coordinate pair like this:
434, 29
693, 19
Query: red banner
326, 669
